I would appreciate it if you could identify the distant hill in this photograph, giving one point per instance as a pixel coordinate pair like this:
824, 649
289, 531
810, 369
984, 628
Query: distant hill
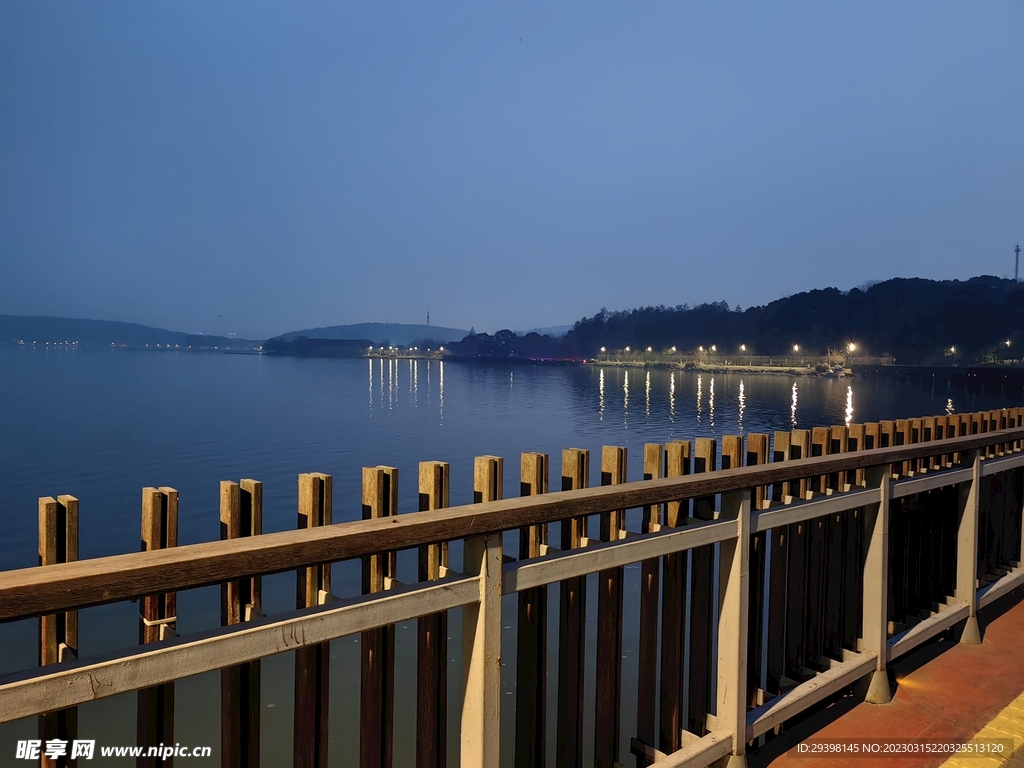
553, 331
914, 320
105, 333
380, 333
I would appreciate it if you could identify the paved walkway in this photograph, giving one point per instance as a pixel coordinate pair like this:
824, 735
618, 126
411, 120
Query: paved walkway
944, 691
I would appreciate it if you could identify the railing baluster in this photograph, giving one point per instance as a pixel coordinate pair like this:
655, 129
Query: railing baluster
608, 693
775, 663
312, 663
647, 673
241, 514
58, 633
572, 620
155, 714
780, 452
838, 534
674, 605
377, 661
757, 454
531, 650
797, 555
817, 616
481, 632
432, 633
701, 590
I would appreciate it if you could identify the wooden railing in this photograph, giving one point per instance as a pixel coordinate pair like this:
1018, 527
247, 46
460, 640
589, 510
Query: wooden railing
852, 546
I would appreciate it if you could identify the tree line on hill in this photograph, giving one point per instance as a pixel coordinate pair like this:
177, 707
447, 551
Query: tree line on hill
917, 321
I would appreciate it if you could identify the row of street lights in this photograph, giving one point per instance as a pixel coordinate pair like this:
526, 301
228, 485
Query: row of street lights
851, 347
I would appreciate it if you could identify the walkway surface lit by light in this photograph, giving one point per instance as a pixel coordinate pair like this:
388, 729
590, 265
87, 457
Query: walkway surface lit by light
944, 691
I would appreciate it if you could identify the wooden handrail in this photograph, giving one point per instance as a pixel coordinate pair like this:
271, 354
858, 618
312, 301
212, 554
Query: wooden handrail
35, 591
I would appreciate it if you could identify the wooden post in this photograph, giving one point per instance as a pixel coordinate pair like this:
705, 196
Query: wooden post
797, 560
800, 448
967, 550
58, 633
817, 615
701, 589
781, 492
876, 583
819, 447
531, 650
674, 606
241, 514
855, 442
312, 663
647, 674
757, 454
481, 632
432, 649
608, 693
775, 663
155, 719
377, 678
733, 612
572, 624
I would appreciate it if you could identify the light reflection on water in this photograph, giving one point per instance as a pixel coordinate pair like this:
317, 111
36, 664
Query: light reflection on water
742, 406
127, 420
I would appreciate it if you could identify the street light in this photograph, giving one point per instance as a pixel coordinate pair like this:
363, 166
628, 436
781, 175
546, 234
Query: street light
602, 349
627, 349
743, 347
700, 349
796, 347
714, 348
673, 349
851, 347
1007, 342
648, 349
953, 350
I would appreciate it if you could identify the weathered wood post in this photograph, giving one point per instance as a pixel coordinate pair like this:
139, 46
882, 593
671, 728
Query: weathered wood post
377, 664
481, 632
241, 514
572, 619
876, 583
702, 591
155, 714
674, 608
432, 631
58, 633
757, 454
778, 570
608, 688
733, 614
967, 549
312, 662
531, 648
647, 662
797, 557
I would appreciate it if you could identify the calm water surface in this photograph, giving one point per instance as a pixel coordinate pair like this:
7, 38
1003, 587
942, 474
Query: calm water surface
101, 425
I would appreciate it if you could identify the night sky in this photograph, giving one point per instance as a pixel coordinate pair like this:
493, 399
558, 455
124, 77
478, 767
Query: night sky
257, 168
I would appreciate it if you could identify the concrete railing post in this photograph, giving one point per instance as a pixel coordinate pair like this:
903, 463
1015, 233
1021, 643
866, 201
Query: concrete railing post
876, 583
481, 633
967, 550
733, 619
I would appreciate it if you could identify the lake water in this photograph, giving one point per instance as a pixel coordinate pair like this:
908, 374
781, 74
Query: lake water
101, 425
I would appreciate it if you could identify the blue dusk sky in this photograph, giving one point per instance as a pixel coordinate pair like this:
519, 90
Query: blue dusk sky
261, 167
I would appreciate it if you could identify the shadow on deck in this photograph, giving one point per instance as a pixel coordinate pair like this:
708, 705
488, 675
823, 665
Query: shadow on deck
942, 690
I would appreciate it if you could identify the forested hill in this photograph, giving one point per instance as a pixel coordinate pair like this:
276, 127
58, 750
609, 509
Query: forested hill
914, 320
